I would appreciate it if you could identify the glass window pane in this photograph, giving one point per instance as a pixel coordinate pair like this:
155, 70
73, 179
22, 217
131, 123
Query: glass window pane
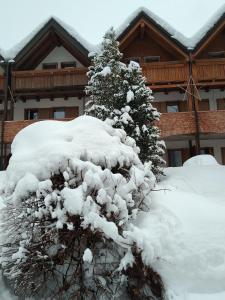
175, 158
59, 114
172, 108
32, 114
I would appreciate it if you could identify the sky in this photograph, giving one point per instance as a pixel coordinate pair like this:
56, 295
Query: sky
91, 18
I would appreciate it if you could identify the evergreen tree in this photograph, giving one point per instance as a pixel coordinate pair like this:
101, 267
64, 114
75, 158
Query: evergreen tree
118, 93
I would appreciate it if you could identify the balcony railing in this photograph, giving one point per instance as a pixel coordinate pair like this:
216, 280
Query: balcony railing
49, 79
170, 124
209, 70
177, 124
169, 72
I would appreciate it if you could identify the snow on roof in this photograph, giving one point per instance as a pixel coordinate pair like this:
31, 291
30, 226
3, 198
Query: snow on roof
201, 33
188, 42
172, 32
12, 53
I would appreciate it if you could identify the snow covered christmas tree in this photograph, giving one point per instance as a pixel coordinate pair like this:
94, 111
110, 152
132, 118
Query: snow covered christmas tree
118, 93
67, 228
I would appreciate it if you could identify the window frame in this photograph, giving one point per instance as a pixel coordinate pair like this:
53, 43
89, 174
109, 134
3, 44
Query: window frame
47, 66
153, 59
216, 54
64, 63
27, 111
172, 103
59, 109
169, 157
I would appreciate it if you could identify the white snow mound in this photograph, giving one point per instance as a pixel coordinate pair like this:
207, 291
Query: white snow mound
46, 146
201, 160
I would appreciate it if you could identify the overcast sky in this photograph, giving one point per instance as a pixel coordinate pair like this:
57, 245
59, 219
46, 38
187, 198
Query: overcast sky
91, 18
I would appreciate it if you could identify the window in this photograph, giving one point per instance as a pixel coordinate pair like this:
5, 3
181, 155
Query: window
203, 105
31, 114
220, 104
218, 54
207, 150
68, 64
150, 59
49, 66
172, 107
175, 158
59, 113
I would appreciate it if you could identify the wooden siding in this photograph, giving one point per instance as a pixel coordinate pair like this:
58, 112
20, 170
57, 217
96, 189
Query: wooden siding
209, 70
165, 72
147, 46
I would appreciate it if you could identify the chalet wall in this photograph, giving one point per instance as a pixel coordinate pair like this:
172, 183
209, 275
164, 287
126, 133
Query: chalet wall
20, 106
146, 46
217, 44
59, 54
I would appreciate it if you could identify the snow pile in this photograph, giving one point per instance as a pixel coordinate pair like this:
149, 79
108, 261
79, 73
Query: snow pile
55, 142
81, 178
182, 236
191, 200
201, 160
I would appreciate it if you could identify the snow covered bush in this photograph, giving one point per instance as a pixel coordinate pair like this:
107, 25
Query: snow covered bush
71, 198
118, 93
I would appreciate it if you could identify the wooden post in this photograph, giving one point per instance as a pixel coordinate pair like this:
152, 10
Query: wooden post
194, 106
7, 88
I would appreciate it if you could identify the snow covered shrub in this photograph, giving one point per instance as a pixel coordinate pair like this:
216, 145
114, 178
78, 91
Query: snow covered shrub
71, 198
119, 93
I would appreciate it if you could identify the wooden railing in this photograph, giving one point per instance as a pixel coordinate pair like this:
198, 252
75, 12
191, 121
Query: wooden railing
155, 73
209, 70
168, 72
49, 79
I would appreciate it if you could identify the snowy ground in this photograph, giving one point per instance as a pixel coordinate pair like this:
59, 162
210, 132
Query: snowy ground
188, 222
191, 205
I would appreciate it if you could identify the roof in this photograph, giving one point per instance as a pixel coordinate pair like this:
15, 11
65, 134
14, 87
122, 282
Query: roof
182, 41
81, 42
163, 26
189, 43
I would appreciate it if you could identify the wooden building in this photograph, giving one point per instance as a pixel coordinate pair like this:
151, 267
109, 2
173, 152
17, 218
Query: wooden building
48, 76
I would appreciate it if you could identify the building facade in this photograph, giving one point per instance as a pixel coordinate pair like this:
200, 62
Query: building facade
47, 76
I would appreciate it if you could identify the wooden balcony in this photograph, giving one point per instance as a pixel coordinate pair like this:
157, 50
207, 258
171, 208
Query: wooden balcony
212, 122
177, 124
49, 79
212, 70
165, 72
